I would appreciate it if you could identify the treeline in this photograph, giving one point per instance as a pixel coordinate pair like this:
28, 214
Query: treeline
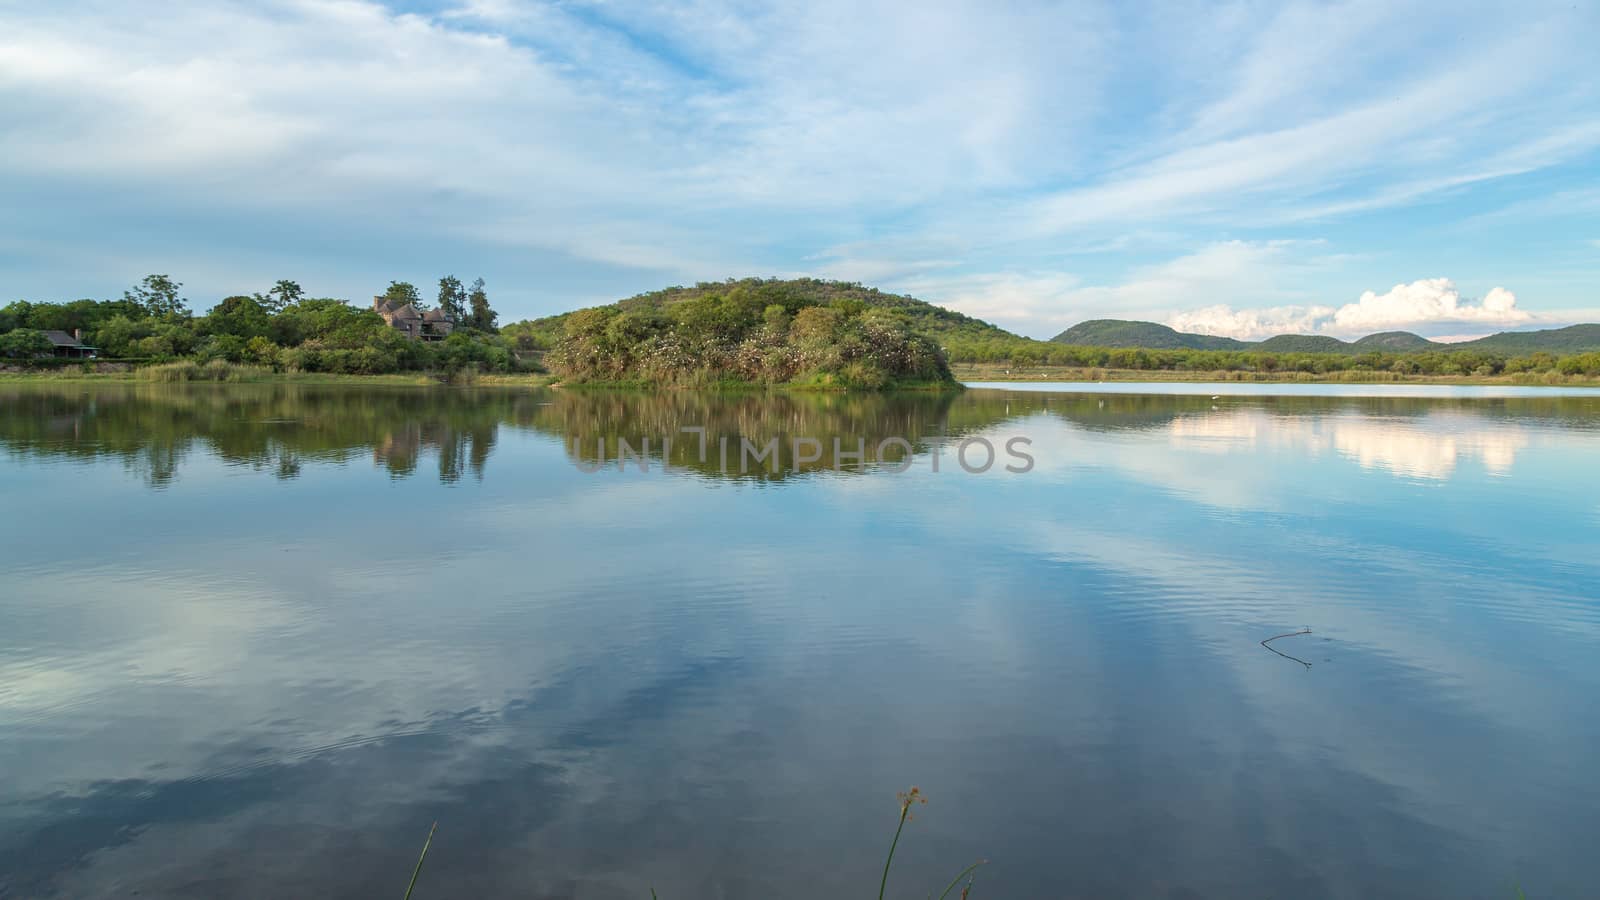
280, 328
758, 333
934, 322
1022, 352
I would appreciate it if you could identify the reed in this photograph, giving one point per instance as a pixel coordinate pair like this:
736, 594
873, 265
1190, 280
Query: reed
907, 799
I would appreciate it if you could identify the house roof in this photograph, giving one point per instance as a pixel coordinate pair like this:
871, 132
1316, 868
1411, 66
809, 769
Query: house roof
434, 315
63, 339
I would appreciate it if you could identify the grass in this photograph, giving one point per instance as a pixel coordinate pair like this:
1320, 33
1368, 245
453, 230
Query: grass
907, 799
412, 885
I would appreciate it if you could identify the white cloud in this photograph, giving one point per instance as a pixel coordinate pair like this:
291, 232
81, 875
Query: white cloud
647, 140
1427, 301
1424, 304
1251, 324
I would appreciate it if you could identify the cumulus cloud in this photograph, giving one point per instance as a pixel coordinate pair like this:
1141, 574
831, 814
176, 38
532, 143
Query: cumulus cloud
1420, 305
1251, 324
1427, 301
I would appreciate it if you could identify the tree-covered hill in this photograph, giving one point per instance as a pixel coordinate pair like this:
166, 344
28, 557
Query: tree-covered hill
1395, 341
1119, 333
1572, 339
802, 332
926, 319
1302, 343
1149, 335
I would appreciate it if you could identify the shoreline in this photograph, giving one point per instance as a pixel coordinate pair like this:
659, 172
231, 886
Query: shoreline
254, 375
409, 379
963, 375
1032, 374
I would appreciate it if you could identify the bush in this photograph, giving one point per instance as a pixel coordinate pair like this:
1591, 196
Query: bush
187, 370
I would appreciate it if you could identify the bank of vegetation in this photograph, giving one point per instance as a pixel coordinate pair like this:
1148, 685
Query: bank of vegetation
248, 336
1320, 366
797, 333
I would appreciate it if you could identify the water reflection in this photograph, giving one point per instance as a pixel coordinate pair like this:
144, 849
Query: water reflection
1428, 446
344, 614
153, 430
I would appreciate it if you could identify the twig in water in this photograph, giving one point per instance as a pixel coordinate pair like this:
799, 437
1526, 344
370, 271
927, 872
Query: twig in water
1268, 644
418, 870
957, 880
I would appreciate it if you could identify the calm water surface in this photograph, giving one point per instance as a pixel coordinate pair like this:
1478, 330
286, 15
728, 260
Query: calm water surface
255, 639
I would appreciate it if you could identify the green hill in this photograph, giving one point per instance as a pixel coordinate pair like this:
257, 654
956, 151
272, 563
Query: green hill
1303, 343
802, 332
1148, 335
1395, 342
926, 319
1119, 333
1572, 339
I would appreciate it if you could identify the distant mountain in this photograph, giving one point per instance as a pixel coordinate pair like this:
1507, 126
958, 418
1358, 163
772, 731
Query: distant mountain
1572, 339
1395, 342
1303, 343
1151, 336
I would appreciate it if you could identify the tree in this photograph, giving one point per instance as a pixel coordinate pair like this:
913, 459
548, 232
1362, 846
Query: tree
283, 294
157, 295
453, 298
15, 315
241, 316
24, 343
403, 292
482, 316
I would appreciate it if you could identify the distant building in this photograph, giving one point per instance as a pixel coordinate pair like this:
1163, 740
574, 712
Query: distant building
432, 325
70, 346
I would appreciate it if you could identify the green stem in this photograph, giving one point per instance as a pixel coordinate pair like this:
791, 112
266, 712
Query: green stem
957, 879
418, 870
892, 844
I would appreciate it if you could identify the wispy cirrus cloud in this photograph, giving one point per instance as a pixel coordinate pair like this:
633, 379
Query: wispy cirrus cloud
574, 151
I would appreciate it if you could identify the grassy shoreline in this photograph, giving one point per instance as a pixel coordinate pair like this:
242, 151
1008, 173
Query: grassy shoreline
184, 372
963, 373
407, 379
1022, 374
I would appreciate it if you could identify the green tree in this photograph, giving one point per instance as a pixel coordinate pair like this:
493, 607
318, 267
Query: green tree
157, 295
284, 294
241, 316
15, 315
453, 298
403, 292
261, 351
482, 316
24, 343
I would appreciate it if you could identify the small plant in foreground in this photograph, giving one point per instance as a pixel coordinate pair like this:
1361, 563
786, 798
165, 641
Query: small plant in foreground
907, 800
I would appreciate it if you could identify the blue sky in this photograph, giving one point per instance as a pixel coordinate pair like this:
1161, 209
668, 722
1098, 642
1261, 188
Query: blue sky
1240, 169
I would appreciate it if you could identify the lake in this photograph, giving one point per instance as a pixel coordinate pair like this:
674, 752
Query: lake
257, 638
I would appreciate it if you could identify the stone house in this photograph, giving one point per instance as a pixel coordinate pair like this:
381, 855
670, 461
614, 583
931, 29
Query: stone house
432, 325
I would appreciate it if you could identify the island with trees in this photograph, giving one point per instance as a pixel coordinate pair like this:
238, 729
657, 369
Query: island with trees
802, 333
